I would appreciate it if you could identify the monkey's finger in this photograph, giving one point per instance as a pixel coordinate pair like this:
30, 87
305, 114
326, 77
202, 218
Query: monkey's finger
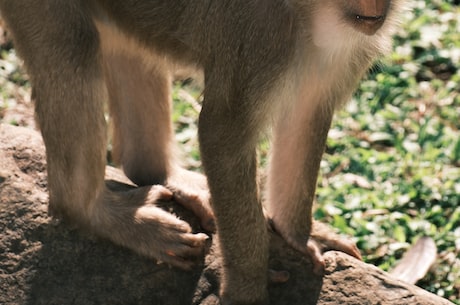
192, 245
328, 240
347, 247
187, 245
316, 255
354, 251
196, 240
186, 253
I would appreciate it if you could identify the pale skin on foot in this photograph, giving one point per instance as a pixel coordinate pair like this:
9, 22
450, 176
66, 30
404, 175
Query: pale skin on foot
284, 64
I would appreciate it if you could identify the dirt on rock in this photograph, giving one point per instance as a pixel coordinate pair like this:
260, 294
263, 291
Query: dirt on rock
44, 261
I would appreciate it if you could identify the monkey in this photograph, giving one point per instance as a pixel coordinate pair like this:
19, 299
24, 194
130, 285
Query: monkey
277, 65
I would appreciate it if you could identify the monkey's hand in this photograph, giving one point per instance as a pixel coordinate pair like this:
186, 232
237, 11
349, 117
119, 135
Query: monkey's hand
132, 218
190, 189
322, 239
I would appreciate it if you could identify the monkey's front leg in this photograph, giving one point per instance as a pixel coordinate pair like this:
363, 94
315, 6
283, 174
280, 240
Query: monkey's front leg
228, 141
299, 140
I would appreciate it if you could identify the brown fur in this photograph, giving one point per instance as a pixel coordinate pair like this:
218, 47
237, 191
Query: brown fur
286, 62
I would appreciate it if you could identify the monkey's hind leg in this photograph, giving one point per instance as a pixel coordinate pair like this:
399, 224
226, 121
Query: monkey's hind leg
64, 63
139, 87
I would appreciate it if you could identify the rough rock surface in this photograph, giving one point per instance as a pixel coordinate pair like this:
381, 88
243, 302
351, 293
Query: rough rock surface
43, 261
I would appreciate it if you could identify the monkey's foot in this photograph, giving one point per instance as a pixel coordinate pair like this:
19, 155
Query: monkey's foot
131, 218
190, 189
322, 239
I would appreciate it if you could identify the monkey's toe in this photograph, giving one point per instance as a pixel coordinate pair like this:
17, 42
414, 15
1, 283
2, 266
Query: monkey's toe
185, 252
323, 239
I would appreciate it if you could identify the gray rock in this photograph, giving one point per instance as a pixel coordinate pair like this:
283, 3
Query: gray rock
44, 261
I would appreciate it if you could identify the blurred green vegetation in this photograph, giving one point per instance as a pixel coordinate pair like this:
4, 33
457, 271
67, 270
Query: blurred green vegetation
391, 171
